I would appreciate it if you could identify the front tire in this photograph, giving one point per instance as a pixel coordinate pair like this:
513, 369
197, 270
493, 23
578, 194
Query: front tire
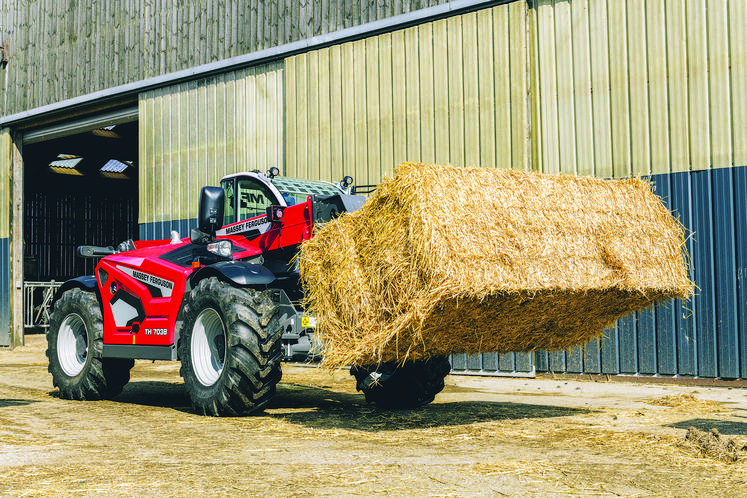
395, 386
75, 341
230, 348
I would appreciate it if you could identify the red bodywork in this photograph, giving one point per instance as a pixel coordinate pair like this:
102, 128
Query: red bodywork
143, 280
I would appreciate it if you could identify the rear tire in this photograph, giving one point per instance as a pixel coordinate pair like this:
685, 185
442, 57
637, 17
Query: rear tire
413, 384
75, 340
230, 348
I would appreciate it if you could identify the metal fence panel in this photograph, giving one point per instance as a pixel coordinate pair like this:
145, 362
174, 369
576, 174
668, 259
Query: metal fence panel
37, 302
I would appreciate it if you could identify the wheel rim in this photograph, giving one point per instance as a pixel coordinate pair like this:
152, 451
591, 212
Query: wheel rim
72, 344
208, 347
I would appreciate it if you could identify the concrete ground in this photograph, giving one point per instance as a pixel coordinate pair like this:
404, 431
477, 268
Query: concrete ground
481, 437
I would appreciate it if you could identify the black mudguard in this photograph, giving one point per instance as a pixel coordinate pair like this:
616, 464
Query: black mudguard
86, 283
238, 273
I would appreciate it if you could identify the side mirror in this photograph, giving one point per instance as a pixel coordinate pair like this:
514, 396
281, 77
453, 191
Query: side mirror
209, 213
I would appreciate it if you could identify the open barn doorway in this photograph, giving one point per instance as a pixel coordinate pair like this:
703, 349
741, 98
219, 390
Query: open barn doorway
79, 189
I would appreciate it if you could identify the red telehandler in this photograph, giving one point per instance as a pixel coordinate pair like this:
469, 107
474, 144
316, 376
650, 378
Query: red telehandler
226, 302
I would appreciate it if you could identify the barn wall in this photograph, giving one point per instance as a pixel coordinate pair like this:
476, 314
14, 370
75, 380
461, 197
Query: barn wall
616, 89
450, 91
61, 50
194, 133
656, 89
705, 336
639, 87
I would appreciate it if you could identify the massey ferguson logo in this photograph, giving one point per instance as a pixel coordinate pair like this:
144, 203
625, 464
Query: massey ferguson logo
260, 224
165, 286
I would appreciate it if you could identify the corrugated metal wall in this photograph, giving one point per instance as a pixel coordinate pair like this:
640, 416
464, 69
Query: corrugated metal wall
639, 87
193, 134
655, 88
707, 335
451, 91
6, 166
60, 50
618, 88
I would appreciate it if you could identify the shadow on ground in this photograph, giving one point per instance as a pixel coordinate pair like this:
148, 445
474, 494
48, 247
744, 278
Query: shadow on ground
322, 408
5, 403
155, 394
325, 408
725, 427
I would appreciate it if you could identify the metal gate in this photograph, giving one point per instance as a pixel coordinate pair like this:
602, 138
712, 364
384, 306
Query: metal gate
37, 303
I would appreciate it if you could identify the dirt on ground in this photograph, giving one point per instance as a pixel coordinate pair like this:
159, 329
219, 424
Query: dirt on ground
481, 437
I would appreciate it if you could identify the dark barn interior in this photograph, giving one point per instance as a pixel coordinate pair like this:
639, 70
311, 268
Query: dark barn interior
78, 190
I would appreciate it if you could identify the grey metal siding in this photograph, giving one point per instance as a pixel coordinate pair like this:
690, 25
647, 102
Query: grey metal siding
193, 134
740, 210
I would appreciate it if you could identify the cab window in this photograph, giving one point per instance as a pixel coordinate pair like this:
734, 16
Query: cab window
253, 199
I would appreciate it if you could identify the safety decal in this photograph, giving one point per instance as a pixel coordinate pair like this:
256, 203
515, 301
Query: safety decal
126, 309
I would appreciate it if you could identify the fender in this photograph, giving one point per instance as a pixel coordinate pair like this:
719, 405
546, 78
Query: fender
86, 283
238, 273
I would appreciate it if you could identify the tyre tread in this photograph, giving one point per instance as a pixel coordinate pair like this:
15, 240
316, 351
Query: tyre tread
253, 369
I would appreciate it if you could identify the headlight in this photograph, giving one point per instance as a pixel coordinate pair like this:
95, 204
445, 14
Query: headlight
223, 248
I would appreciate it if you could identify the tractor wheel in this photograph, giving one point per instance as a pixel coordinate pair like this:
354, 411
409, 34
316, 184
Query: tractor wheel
230, 348
410, 385
75, 341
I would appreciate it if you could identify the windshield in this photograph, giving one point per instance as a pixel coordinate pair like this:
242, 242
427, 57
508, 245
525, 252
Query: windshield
246, 198
295, 191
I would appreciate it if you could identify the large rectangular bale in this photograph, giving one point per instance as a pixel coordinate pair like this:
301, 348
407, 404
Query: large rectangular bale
444, 260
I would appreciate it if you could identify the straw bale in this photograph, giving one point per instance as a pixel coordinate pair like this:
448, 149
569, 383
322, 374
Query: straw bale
444, 260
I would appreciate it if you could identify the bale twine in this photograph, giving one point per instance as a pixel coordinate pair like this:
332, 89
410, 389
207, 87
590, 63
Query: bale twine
444, 260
